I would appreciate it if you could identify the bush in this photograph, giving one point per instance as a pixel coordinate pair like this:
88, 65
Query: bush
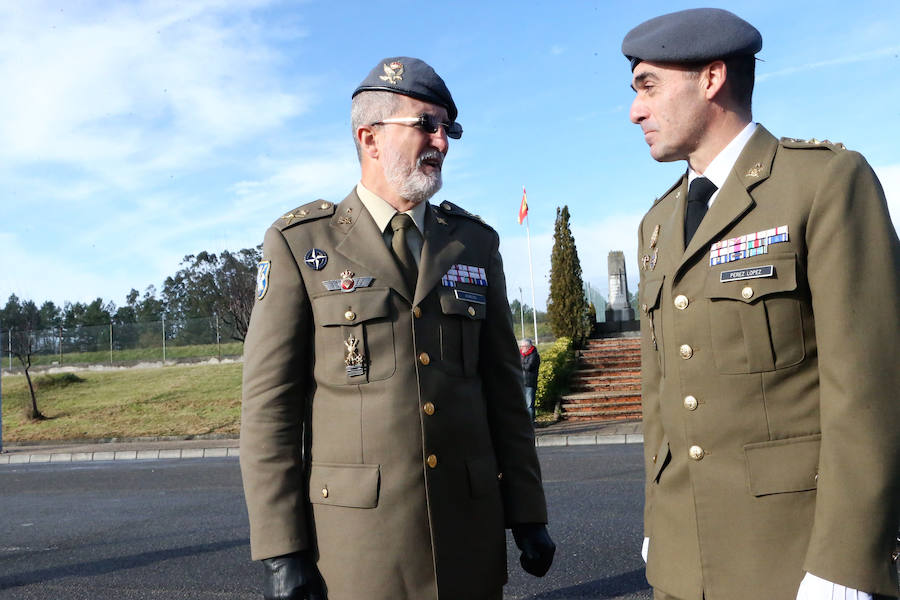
46, 382
557, 362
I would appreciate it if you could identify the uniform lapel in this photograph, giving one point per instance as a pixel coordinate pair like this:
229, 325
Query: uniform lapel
734, 199
439, 252
363, 244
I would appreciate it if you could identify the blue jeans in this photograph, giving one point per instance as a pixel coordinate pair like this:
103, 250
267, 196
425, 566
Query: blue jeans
529, 400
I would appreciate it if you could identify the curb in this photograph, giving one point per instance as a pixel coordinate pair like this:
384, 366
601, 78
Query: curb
541, 441
118, 455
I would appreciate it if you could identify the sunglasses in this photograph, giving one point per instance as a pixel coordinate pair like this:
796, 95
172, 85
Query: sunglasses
427, 123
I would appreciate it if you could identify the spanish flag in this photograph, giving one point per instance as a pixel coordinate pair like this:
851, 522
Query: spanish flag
523, 210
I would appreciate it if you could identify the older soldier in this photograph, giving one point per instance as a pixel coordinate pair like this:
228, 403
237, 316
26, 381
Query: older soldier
384, 442
770, 291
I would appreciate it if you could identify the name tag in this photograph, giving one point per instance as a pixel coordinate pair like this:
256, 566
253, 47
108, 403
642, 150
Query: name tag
469, 296
754, 273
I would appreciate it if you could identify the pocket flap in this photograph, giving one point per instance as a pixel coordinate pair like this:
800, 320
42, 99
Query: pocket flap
764, 276
350, 485
333, 308
469, 304
483, 475
649, 293
779, 466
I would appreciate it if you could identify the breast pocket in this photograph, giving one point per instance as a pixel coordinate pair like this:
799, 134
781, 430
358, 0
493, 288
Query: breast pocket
756, 323
462, 312
354, 336
649, 294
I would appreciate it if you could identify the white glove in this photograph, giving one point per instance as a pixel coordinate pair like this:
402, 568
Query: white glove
816, 588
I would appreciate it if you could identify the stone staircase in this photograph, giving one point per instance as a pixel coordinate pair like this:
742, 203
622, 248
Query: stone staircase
606, 383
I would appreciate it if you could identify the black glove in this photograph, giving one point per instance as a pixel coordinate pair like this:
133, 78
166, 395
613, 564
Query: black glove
536, 546
292, 577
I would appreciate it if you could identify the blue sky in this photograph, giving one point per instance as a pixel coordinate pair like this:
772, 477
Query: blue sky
134, 133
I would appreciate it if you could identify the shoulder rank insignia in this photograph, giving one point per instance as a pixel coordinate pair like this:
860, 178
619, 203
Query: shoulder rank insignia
392, 73
262, 278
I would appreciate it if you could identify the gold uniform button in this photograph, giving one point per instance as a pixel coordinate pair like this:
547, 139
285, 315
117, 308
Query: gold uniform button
499, 476
424, 358
325, 492
690, 403
653, 460
645, 309
686, 351
428, 408
471, 311
747, 292
681, 302
431, 460
349, 315
696, 452
417, 312
325, 205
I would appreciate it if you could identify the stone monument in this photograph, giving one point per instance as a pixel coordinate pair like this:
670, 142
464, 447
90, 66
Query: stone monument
618, 308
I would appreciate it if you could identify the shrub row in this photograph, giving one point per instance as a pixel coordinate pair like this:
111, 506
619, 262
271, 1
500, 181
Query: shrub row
557, 363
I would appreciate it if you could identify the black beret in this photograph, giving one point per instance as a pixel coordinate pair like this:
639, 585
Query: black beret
410, 77
691, 36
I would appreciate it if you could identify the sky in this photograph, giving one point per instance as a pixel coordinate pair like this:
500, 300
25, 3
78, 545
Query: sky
134, 133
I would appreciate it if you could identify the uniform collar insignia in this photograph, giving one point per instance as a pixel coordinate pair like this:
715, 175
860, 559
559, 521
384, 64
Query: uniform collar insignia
755, 170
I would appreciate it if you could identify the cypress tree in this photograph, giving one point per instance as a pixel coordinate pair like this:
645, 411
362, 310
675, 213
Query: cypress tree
566, 307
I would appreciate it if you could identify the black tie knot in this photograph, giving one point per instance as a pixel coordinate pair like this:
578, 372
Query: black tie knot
700, 192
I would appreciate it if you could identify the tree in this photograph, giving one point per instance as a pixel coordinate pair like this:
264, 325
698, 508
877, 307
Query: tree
566, 306
208, 284
24, 320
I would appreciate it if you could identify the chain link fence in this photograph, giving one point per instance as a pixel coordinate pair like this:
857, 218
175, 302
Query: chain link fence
122, 344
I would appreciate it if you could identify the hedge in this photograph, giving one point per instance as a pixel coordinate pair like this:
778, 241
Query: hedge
557, 363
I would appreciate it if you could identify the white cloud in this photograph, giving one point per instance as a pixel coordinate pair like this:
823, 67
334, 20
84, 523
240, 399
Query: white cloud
123, 89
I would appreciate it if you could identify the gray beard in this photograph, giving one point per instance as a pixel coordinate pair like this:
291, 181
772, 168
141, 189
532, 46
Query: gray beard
412, 184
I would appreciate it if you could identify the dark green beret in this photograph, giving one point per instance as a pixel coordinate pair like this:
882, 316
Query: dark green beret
695, 35
410, 77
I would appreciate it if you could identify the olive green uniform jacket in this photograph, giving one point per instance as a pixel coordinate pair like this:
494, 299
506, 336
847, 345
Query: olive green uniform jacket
771, 413
408, 473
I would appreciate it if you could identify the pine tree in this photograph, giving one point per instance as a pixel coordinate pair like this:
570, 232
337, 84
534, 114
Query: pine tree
566, 307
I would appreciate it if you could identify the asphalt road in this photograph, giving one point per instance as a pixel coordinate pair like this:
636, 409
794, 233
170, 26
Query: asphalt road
148, 530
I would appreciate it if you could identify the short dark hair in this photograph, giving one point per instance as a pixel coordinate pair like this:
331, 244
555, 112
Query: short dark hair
740, 77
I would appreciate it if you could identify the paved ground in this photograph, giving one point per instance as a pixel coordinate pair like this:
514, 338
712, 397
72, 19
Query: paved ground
562, 433
178, 530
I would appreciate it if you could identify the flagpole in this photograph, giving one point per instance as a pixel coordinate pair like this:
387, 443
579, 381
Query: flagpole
531, 271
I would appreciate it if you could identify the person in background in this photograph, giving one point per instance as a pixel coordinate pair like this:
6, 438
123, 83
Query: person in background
531, 362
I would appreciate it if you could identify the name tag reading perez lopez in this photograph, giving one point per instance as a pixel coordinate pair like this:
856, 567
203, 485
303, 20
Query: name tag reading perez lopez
753, 273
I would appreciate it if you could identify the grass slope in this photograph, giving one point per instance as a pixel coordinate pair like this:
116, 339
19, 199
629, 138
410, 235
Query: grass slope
172, 400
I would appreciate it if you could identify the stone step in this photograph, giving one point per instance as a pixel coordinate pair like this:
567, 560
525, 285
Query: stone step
579, 388
601, 396
602, 415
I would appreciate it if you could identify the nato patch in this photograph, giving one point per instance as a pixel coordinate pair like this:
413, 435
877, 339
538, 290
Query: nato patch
316, 259
752, 273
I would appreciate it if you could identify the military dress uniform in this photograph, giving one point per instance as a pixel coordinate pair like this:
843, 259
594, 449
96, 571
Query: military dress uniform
382, 426
769, 379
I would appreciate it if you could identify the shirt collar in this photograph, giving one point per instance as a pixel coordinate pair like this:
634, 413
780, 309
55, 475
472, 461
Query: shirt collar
382, 212
721, 165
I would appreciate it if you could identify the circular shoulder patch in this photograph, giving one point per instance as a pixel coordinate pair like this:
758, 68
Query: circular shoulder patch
316, 259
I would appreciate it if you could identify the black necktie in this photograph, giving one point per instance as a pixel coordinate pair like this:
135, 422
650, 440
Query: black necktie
698, 201
401, 224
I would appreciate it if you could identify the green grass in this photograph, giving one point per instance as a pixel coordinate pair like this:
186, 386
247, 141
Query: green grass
171, 400
102, 357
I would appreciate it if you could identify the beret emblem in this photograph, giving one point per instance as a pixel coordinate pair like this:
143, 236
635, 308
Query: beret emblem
393, 73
